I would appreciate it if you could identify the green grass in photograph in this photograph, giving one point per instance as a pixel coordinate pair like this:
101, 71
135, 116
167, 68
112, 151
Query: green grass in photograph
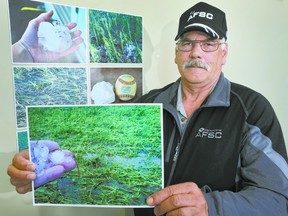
115, 38
118, 149
48, 86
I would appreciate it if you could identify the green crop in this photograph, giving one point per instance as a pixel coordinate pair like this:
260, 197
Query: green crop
115, 38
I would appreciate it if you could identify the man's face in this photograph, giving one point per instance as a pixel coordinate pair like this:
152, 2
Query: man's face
196, 75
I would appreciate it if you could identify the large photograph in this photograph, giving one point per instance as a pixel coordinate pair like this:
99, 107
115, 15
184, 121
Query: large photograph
109, 155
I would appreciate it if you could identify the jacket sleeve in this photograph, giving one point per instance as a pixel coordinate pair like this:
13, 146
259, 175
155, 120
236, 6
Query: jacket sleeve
263, 181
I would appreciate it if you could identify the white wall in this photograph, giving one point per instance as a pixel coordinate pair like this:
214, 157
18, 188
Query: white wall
257, 58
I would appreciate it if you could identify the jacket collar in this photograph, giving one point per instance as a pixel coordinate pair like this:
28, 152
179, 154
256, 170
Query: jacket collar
220, 96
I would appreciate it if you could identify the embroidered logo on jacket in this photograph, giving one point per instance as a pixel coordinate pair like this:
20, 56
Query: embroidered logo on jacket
210, 134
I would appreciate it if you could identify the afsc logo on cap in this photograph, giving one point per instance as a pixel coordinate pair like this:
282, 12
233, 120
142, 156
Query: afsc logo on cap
200, 14
203, 17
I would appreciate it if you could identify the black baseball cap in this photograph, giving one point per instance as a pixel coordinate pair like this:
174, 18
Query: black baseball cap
205, 18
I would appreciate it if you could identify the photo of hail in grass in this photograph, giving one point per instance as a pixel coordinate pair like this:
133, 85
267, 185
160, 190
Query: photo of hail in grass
115, 37
118, 149
47, 86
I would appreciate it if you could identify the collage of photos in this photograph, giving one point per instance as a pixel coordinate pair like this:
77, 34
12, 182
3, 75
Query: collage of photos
68, 55
77, 60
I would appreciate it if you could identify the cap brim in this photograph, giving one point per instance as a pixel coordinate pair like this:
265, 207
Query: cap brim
199, 27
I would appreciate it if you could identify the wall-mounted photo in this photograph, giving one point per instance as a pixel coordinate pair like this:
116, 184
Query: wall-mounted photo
42, 32
22, 140
115, 37
47, 86
96, 156
116, 85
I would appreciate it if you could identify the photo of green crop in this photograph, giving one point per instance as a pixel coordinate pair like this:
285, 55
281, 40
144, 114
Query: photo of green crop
48, 86
118, 149
115, 37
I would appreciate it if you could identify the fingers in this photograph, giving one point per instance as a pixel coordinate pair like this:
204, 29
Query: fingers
69, 162
71, 50
21, 186
24, 188
43, 17
21, 167
180, 199
21, 162
162, 195
51, 56
71, 25
76, 35
49, 175
182, 203
186, 211
77, 42
17, 174
51, 145
69, 165
29, 37
174, 202
21, 172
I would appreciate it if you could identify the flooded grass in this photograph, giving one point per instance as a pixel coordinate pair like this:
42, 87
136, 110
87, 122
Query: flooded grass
118, 149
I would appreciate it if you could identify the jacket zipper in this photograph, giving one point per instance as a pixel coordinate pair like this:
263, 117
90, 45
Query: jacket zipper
177, 151
175, 159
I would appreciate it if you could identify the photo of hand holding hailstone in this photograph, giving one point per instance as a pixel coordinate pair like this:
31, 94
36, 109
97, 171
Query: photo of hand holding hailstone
51, 162
46, 41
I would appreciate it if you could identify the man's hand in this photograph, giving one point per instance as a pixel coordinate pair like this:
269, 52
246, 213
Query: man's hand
21, 172
181, 199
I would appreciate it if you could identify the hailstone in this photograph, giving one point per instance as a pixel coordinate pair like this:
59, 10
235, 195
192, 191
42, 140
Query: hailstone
54, 37
40, 156
103, 93
57, 157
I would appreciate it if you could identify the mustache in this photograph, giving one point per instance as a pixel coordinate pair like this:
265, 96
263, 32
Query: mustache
195, 63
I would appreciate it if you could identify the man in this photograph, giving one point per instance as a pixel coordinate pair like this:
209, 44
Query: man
217, 134
224, 148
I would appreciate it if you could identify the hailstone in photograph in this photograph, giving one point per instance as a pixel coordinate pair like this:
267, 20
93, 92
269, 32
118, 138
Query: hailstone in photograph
54, 36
